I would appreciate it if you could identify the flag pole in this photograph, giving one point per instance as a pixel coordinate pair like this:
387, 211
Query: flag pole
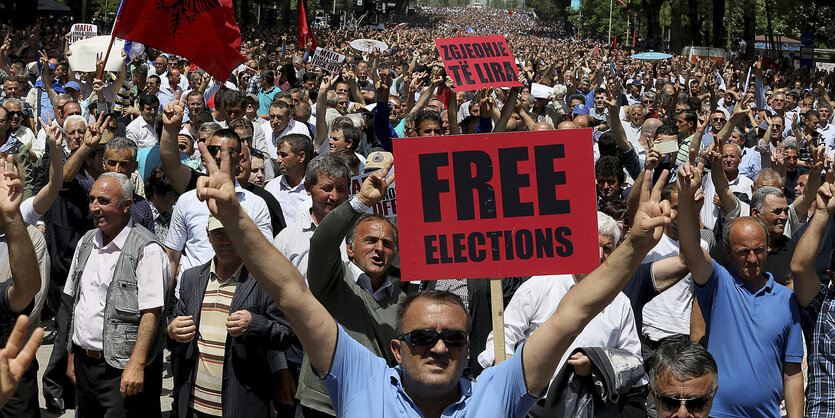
112, 38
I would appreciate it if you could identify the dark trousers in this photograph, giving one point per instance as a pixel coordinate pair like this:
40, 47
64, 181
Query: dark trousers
55, 382
24, 402
99, 395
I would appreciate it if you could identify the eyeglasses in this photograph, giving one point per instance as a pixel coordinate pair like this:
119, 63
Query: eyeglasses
718, 119
428, 338
214, 149
648, 101
694, 404
14, 113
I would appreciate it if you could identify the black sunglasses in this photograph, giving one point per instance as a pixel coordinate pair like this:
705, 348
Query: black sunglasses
694, 404
14, 113
428, 338
214, 149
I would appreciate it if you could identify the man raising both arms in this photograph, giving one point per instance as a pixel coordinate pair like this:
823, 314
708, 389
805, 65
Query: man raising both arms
432, 346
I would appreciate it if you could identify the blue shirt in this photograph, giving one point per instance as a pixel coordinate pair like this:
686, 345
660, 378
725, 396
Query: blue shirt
750, 335
265, 99
360, 384
819, 327
148, 159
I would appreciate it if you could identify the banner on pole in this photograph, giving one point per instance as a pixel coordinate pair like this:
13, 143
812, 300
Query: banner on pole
477, 62
497, 205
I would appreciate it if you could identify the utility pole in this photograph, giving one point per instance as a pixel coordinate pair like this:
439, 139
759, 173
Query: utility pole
729, 16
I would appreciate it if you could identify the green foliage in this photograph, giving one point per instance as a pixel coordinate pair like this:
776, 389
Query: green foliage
593, 18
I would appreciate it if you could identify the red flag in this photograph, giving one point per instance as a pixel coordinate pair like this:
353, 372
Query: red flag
304, 31
204, 31
615, 42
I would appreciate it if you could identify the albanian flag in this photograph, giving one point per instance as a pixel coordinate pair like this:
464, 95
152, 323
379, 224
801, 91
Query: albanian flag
204, 31
304, 30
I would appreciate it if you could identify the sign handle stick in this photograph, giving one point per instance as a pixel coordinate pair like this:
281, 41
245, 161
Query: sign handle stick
497, 305
110, 45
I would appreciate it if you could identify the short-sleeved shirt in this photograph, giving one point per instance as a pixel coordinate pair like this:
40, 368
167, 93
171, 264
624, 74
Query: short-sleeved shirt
360, 382
818, 320
750, 335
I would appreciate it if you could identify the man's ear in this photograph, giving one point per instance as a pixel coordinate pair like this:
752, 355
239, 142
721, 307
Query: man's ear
302, 157
395, 349
126, 206
349, 249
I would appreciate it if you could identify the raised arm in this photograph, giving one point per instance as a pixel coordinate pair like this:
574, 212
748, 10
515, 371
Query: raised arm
807, 198
321, 133
47, 195
26, 276
452, 109
507, 109
543, 350
697, 260
668, 271
312, 323
169, 151
92, 138
727, 199
806, 281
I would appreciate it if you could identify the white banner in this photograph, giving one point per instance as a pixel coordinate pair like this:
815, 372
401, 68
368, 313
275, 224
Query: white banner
81, 31
84, 52
327, 60
826, 66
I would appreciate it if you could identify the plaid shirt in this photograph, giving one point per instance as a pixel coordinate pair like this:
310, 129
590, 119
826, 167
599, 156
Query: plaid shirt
254, 84
819, 326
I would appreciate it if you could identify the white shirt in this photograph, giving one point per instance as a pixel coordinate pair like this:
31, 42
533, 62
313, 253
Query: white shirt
290, 198
293, 127
187, 230
142, 133
152, 275
668, 314
294, 242
27, 137
537, 299
710, 212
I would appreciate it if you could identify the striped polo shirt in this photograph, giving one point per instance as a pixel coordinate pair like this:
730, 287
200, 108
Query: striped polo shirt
211, 343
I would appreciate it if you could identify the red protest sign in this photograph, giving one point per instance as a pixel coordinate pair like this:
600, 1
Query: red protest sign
497, 205
477, 62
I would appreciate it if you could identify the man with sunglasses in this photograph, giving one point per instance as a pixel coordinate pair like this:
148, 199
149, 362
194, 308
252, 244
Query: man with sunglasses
683, 379
751, 321
431, 328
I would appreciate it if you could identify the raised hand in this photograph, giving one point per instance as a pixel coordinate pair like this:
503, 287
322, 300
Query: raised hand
652, 215
218, 188
688, 181
172, 114
11, 188
373, 189
14, 360
54, 134
95, 129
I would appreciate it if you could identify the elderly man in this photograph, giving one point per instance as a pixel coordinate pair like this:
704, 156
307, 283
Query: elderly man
748, 345
115, 338
20, 128
432, 325
683, 378
224, 334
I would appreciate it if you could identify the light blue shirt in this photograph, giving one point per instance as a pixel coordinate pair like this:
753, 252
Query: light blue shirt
360, 384
750, 335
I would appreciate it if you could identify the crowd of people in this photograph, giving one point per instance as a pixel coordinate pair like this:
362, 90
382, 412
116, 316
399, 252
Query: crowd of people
157, 214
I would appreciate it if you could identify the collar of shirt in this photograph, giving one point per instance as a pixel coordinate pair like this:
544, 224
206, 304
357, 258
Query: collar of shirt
234, 277
117, 243
364, 282
306, 219
282, 181
465, 387
769, 284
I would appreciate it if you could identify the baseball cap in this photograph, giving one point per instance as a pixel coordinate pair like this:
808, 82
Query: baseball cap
580, 109
214, 223
72, 85
377, 160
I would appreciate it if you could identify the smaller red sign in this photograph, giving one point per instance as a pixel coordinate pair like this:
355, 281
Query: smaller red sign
477, 62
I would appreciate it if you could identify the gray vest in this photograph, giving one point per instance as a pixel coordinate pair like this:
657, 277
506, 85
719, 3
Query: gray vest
121, 309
